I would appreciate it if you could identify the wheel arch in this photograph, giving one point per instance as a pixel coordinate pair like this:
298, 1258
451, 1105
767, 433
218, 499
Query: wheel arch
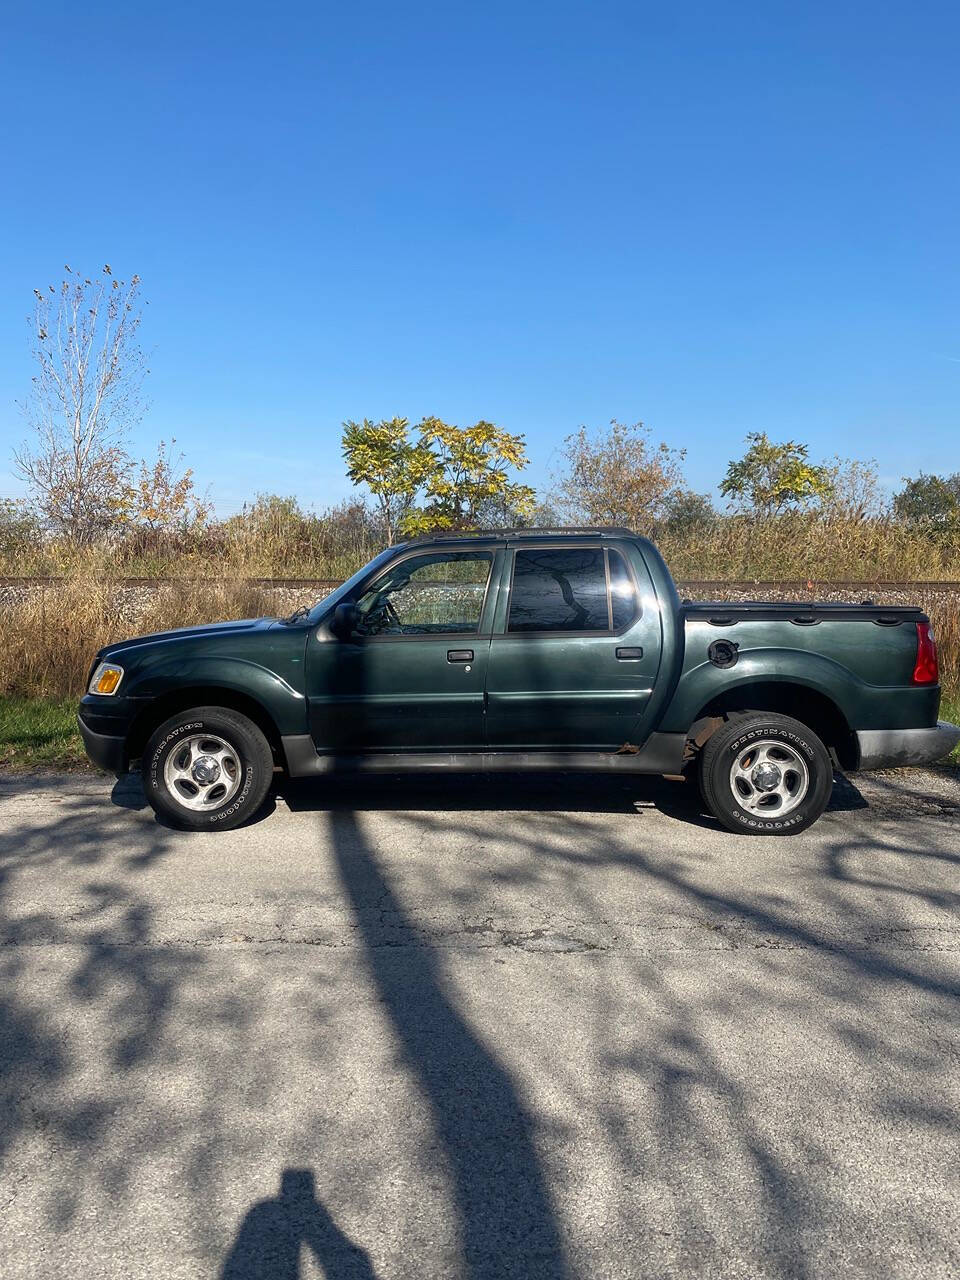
165, 705
800, 701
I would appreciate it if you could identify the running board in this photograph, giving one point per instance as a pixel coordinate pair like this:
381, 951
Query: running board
661, 753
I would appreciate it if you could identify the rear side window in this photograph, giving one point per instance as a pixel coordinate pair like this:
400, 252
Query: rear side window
624, 605
567, 590
559, 590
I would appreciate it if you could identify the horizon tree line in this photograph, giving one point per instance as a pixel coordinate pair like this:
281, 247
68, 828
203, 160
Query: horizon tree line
84, 485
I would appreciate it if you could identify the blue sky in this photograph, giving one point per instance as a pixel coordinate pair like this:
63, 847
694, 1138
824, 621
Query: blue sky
715, 218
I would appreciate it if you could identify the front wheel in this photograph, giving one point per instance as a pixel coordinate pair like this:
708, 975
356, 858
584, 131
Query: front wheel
207, 769
765, 774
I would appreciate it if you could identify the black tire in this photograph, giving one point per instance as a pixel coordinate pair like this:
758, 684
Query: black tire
248, 758
794, 748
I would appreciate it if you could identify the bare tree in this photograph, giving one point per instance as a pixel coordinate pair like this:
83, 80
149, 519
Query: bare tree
86, 396
618, 477
855, 490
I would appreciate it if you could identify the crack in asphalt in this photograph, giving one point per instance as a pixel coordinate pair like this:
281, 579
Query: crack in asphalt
533, 941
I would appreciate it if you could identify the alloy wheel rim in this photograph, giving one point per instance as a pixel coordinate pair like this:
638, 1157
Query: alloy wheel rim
769, 778
202, 772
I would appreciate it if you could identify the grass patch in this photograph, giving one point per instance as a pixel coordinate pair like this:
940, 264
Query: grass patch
40, 733
950, 710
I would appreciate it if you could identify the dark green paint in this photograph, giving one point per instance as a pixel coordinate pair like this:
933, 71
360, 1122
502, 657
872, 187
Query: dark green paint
863, 668
566, 691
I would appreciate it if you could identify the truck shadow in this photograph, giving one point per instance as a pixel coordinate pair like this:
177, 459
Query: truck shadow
490, 792
526, 792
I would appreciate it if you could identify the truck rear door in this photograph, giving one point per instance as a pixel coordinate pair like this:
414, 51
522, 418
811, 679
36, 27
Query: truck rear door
575, 649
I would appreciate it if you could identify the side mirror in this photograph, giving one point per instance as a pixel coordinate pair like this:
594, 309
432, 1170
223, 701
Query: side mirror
345, 621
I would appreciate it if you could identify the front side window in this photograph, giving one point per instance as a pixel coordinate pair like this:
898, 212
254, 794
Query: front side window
436, 594
559, 590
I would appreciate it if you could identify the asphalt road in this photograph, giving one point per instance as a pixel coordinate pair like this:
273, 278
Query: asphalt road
474, 1028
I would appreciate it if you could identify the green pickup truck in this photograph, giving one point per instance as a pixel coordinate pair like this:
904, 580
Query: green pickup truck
529, 649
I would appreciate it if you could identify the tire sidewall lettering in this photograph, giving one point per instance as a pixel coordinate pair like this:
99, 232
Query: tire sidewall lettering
797, 741
238, 802
161, 751
774, 732
169, 741
783, 825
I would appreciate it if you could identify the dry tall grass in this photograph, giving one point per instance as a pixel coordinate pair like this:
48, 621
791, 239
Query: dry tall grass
945, 616
274, 539
280, 543
49, 640
800, 546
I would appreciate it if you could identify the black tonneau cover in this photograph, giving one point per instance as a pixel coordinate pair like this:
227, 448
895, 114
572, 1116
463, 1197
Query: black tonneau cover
724, 613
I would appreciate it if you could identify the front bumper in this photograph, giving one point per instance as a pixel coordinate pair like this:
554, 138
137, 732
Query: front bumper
104, 749
893, 748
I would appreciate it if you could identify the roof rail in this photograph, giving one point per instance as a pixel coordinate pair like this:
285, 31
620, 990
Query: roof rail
450, 535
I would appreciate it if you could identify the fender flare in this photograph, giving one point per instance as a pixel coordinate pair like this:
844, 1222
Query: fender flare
705, 683
285, 706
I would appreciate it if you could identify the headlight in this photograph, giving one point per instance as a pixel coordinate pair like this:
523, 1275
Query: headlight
106, 678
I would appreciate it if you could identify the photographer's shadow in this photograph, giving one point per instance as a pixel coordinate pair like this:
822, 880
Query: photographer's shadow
273, 1233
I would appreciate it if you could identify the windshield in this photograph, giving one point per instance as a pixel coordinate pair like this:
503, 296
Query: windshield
330, 601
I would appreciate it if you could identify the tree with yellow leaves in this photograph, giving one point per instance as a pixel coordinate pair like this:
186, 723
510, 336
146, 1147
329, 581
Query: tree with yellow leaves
163, 497
458, 472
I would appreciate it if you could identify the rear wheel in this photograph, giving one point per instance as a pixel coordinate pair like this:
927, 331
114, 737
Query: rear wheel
765, 774
207, 769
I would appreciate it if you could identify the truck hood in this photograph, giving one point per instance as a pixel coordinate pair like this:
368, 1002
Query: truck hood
211, 629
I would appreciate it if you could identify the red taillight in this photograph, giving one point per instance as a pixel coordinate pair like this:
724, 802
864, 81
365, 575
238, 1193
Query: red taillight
926, 670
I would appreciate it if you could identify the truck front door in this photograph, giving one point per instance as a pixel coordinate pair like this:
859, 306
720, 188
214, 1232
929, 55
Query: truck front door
412, 676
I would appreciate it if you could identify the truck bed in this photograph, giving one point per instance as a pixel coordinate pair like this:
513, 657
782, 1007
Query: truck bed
859, 658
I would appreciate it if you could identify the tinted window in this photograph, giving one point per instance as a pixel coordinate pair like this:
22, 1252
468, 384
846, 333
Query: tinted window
427, 595
558, 590
623, 592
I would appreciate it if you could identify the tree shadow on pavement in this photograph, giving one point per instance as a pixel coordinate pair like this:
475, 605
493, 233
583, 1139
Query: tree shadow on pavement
102, 964
822, 958
507, 1221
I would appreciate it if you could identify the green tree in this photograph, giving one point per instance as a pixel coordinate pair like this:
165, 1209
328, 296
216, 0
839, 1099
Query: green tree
771, 478
20, 530
686, 511
617, 477
931, 500
470, 474
394, 469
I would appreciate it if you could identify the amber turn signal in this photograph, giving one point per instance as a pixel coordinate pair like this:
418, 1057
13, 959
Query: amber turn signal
106, 678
